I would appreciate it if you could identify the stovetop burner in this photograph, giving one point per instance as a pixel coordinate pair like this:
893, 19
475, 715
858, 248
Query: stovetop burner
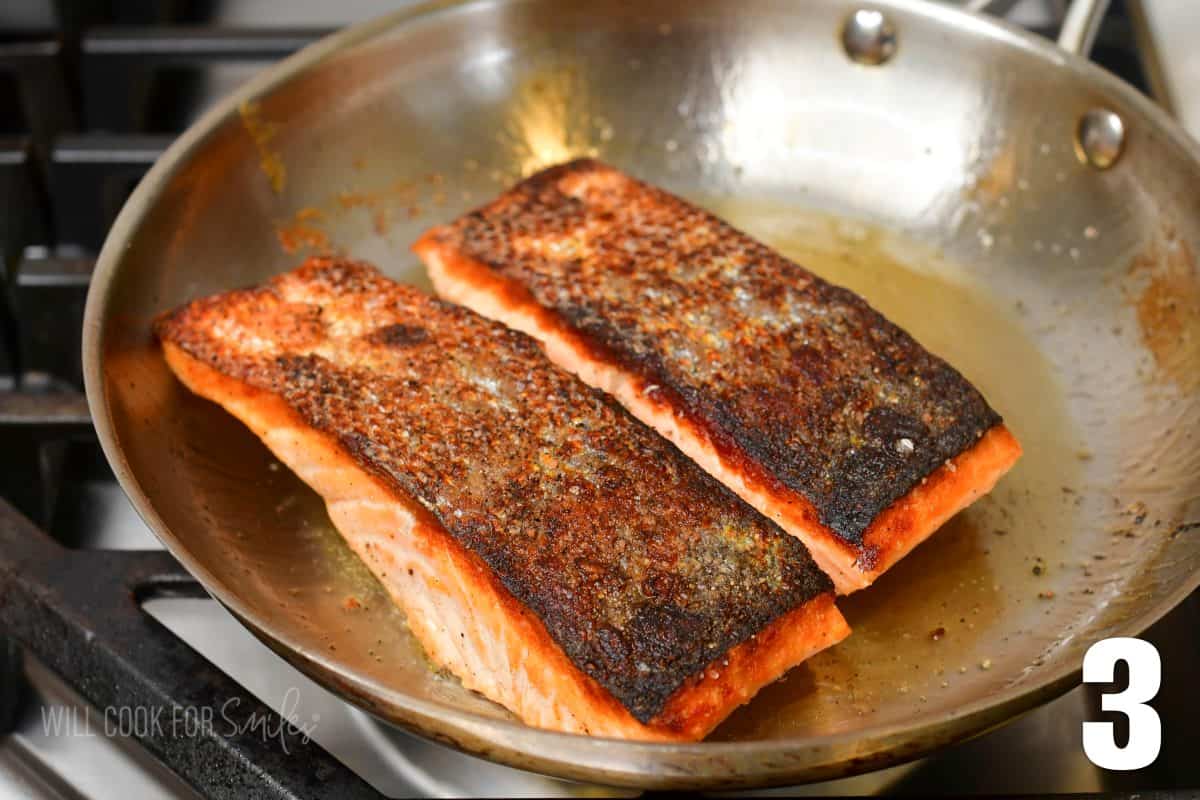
97, 622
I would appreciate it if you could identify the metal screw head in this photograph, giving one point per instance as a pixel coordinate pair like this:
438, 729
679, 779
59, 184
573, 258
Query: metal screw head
869, 37
1100, 138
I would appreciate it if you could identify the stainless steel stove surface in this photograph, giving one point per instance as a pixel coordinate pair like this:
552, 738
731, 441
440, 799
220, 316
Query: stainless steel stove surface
91, 94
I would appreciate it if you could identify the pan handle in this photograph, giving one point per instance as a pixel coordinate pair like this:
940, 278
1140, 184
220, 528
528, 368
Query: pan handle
1079, 27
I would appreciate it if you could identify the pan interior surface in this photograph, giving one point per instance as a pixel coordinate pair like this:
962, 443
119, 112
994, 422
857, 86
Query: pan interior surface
942, 185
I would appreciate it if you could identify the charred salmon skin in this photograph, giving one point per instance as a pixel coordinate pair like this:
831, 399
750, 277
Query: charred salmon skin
551, 551
793, 392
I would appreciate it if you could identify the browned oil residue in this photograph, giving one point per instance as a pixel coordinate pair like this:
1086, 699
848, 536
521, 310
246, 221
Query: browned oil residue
999, 177
1164, 288
382, 202
303, 232
263, 132
381, 221
349, 200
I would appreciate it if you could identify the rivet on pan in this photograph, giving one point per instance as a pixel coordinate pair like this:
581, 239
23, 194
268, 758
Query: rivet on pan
869, 37
1100, 138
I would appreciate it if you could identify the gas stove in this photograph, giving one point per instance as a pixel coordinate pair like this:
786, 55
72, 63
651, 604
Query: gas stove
111, 655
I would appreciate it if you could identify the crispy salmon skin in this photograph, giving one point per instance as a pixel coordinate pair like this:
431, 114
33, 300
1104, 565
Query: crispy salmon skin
550, 550
793, 392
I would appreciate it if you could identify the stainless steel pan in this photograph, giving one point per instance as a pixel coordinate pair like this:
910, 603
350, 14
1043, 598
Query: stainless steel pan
1022, 212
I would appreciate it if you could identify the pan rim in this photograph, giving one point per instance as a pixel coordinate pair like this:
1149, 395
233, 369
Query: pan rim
871, 741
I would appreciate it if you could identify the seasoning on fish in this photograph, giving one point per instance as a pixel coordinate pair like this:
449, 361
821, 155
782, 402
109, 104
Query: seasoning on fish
552, 552
794, 393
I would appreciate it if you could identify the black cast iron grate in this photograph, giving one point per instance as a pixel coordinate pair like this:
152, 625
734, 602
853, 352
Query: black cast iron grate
79, 613
72, 146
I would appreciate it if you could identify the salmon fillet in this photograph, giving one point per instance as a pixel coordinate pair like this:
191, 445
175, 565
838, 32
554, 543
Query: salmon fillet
794, 393
552, 552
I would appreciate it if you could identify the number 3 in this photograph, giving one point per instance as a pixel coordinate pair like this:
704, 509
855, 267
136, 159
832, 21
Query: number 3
1145, 729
